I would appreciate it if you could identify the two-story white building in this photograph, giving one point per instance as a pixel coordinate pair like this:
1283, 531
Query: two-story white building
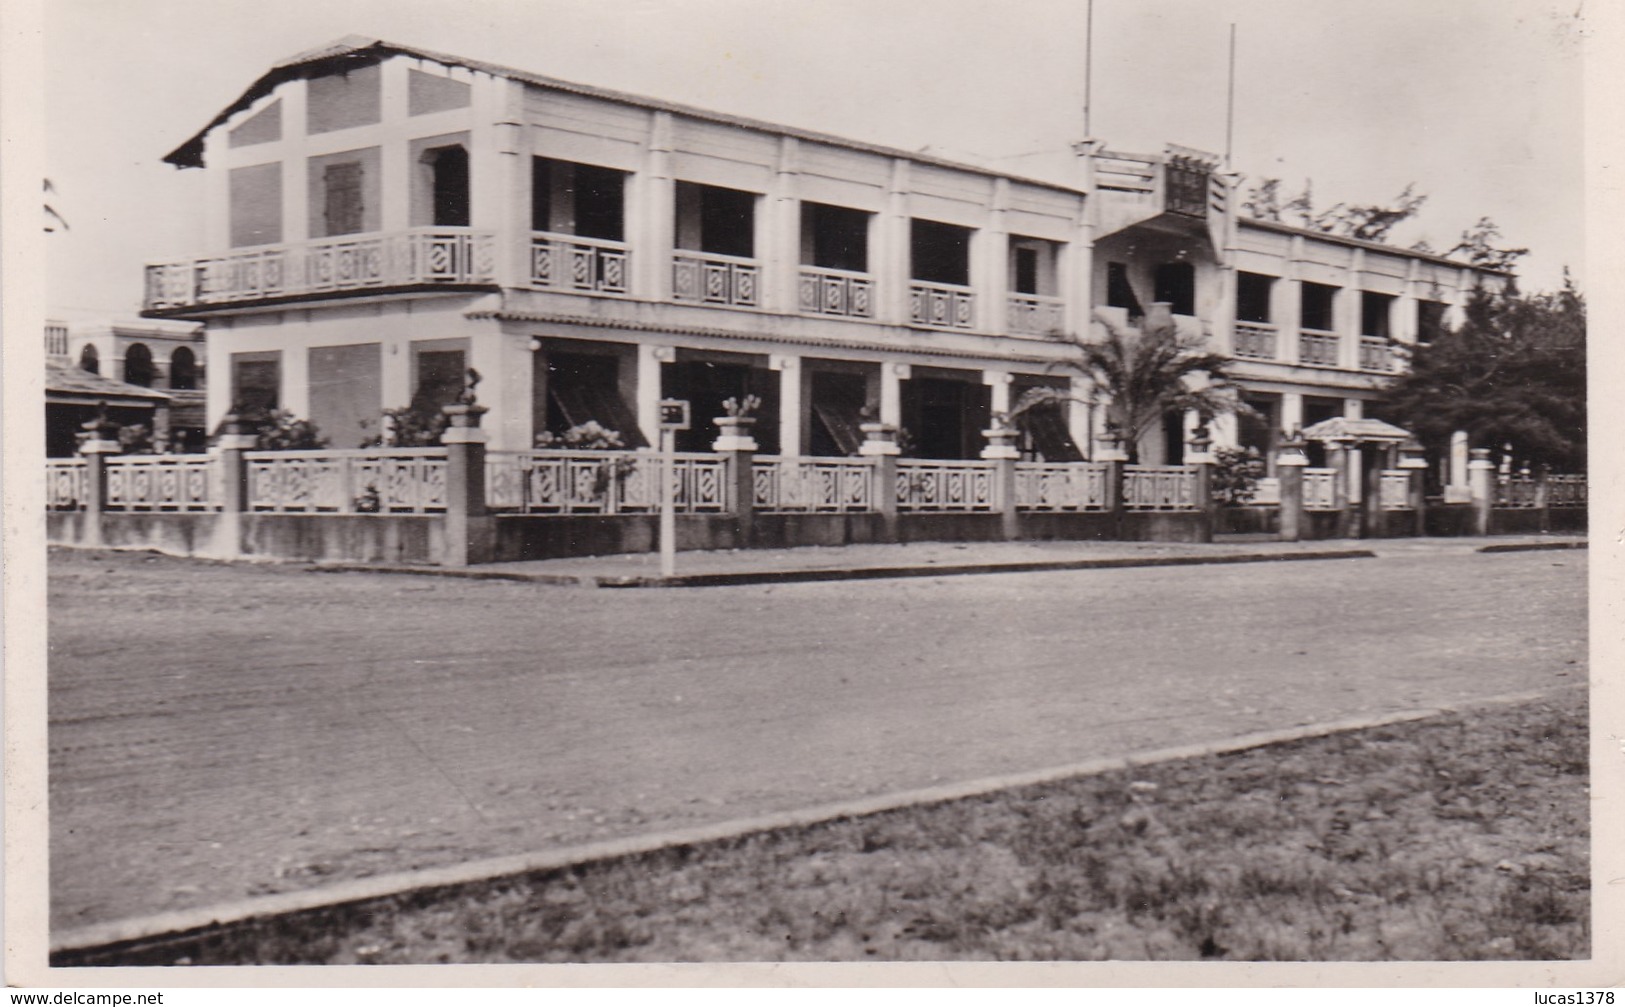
382, 218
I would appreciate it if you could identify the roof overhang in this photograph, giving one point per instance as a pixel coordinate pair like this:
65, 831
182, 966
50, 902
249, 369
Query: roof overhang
1341, 428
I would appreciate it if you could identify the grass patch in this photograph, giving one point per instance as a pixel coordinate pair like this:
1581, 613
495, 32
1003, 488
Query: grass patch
1458, 838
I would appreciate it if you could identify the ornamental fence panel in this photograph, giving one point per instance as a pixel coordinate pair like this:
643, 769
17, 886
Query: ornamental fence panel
602, 482
1062, 486
1394, 490
1516, 492
928, 487
812, 485
1566, 491
163, 483
366, 481
67, 483
1319, 489
1159, 487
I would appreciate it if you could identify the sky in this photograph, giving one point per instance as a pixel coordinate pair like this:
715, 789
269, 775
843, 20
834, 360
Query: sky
1477, 102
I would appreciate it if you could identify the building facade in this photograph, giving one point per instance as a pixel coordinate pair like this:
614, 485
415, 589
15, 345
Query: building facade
382, 218
151, 372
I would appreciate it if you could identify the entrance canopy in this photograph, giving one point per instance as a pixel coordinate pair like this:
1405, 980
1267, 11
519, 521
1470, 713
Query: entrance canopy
1341, 428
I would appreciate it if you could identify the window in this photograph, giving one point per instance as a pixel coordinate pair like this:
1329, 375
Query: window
344, 192
834, 237
90, 360
1033, 266
1253, 297
716, 220
939, 253
582, 199
441, 374
1376, 313
449, 185
255, 208
1119, 291
138, 369
1318, 302
1429, 320
256, 380
1175, 283
183, 370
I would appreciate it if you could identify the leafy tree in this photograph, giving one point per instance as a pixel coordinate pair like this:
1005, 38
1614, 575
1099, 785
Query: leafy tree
409, 427
1146, 373
1513, 373
1236, 472
1478, 243
280, 430
1367, 222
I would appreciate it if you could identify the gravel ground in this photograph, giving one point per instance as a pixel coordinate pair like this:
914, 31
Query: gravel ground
218, 731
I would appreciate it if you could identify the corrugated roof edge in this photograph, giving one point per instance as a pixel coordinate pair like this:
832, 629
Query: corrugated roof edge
362, 50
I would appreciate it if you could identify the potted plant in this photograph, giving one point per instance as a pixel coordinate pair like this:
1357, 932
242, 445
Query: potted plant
733, 429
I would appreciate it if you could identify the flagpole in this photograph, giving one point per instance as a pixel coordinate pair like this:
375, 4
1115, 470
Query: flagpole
1088, 62
1230, 102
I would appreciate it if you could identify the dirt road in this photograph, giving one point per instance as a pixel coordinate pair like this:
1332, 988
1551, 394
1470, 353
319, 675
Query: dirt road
219, 731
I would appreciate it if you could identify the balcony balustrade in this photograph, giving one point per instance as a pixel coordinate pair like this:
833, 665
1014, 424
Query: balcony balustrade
941, 305
1376, 354
836, 292
1317, 349
436, 255
1035, 315
1255, 341
579, 265
709, 278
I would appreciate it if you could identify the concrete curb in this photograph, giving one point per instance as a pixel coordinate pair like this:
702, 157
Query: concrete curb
87, 944
1533, 546
843, 573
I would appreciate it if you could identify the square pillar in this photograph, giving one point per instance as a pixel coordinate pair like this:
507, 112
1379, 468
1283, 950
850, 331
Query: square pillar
790, 411
1481, 481
880, 443
470, 533
649, 360
891, 393
1289, 466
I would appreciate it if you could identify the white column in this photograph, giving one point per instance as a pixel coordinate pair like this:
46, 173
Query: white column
395, 374
1224, 318
217, 372
1077, 414
1348, 329
217, 193
789, 368
1289, 321
294, 395
891, 279
999, 381
1225, 431
1292, 410
1354, 409
655, 209
295, 173
780, 250
649, 360
395, 167
989, 275
504, 363
891, 392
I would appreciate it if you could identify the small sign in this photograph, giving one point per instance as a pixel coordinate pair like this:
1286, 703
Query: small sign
674, 414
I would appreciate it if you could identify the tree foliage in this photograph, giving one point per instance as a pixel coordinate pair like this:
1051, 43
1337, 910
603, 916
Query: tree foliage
1364, 222
1513, 373
1478, 245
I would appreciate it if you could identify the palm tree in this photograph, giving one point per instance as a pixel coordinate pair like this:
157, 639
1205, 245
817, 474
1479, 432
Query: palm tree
1145, 373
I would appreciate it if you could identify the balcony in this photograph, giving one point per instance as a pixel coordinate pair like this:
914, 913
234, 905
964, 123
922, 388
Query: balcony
941, 305
711, 278
1317, 349
1256, 341
1034, 315
438, 255
1376, 354
580, 265
836, 292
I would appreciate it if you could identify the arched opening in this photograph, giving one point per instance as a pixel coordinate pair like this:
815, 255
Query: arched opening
138, 369
450, 186
183, 369
90, 360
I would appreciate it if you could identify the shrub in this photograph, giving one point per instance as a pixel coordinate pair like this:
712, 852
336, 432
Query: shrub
409, 427
280, 430
1236, 472
588, 436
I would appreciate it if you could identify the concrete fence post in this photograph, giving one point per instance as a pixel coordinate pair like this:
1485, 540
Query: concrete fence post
470, 531
236, 440
1481, 481
1111, 455
1200, 456
100, 440
880, 443
1289, 465
1001, 450
1339, 455
738, 449
1415, 464
1543, 499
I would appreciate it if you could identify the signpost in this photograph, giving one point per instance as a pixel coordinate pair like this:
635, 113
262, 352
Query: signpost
673, 417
